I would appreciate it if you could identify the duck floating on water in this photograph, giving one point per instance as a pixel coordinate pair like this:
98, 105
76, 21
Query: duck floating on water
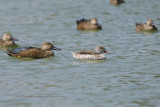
116, 2
93, 55
85, 24
33, 52
7, 40
148, 26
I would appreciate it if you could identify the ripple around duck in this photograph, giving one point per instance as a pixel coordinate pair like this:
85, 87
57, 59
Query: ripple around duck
128, 77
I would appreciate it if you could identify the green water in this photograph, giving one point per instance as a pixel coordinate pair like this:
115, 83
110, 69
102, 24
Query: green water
129, 77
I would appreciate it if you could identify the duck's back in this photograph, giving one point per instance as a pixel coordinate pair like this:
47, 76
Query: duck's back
81, 21
139, 26
83, 24
26, 52
87, 52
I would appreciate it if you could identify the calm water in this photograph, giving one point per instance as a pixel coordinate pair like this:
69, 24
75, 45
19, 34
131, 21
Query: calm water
129, 77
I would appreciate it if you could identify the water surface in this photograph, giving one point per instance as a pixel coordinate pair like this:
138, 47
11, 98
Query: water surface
129, 77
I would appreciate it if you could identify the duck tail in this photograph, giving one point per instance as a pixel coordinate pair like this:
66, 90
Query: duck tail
72, 52
79, 21
136, 24
9, 52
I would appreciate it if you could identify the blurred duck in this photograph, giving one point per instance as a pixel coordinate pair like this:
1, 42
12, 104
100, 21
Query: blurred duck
84, 24
148, 26
33, 52
7, 40
93, 55
116, 2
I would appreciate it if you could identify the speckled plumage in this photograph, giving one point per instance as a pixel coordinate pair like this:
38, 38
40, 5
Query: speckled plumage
93, 55
92, 24
33, 52
7, 40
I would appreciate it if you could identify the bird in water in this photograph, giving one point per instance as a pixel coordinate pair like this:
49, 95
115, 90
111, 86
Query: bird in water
148, 26
34, 52
7, 40
85, 24
116, 2
96, 54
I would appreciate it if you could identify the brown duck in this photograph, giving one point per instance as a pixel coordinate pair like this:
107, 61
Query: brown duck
148, 26
7, 40
92, 24
116, 2
33, 52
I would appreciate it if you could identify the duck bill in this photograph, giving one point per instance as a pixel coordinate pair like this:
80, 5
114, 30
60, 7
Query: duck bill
107, 52
54, 48
14, 39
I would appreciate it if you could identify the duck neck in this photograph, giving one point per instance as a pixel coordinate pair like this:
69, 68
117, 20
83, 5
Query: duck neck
48, 53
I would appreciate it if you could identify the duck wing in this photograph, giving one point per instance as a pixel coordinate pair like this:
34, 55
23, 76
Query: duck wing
17, 50
87, 52
138, 24
81, 20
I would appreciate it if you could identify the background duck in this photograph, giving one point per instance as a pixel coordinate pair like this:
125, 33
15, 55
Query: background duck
34, 52
148, 26
116, 2
95, 55
92, 24
7, 40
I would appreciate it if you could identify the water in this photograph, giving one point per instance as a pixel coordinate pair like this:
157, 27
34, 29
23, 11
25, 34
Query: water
129, 77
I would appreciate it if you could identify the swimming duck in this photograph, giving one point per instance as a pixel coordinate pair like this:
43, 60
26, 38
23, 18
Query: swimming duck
94, 55
92, 24
33, 52
148, 26
7, 40
116, 2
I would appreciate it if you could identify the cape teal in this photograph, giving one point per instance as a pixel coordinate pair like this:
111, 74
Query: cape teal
93, 55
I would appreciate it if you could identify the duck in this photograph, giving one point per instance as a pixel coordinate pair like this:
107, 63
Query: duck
116, 2
91, 24
148, 26
33, 52
96, 54
7, 40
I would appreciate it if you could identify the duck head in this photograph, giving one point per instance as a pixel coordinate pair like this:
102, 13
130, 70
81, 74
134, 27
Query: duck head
149, 22
100, 50
94, 21
48, 46
8, 37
